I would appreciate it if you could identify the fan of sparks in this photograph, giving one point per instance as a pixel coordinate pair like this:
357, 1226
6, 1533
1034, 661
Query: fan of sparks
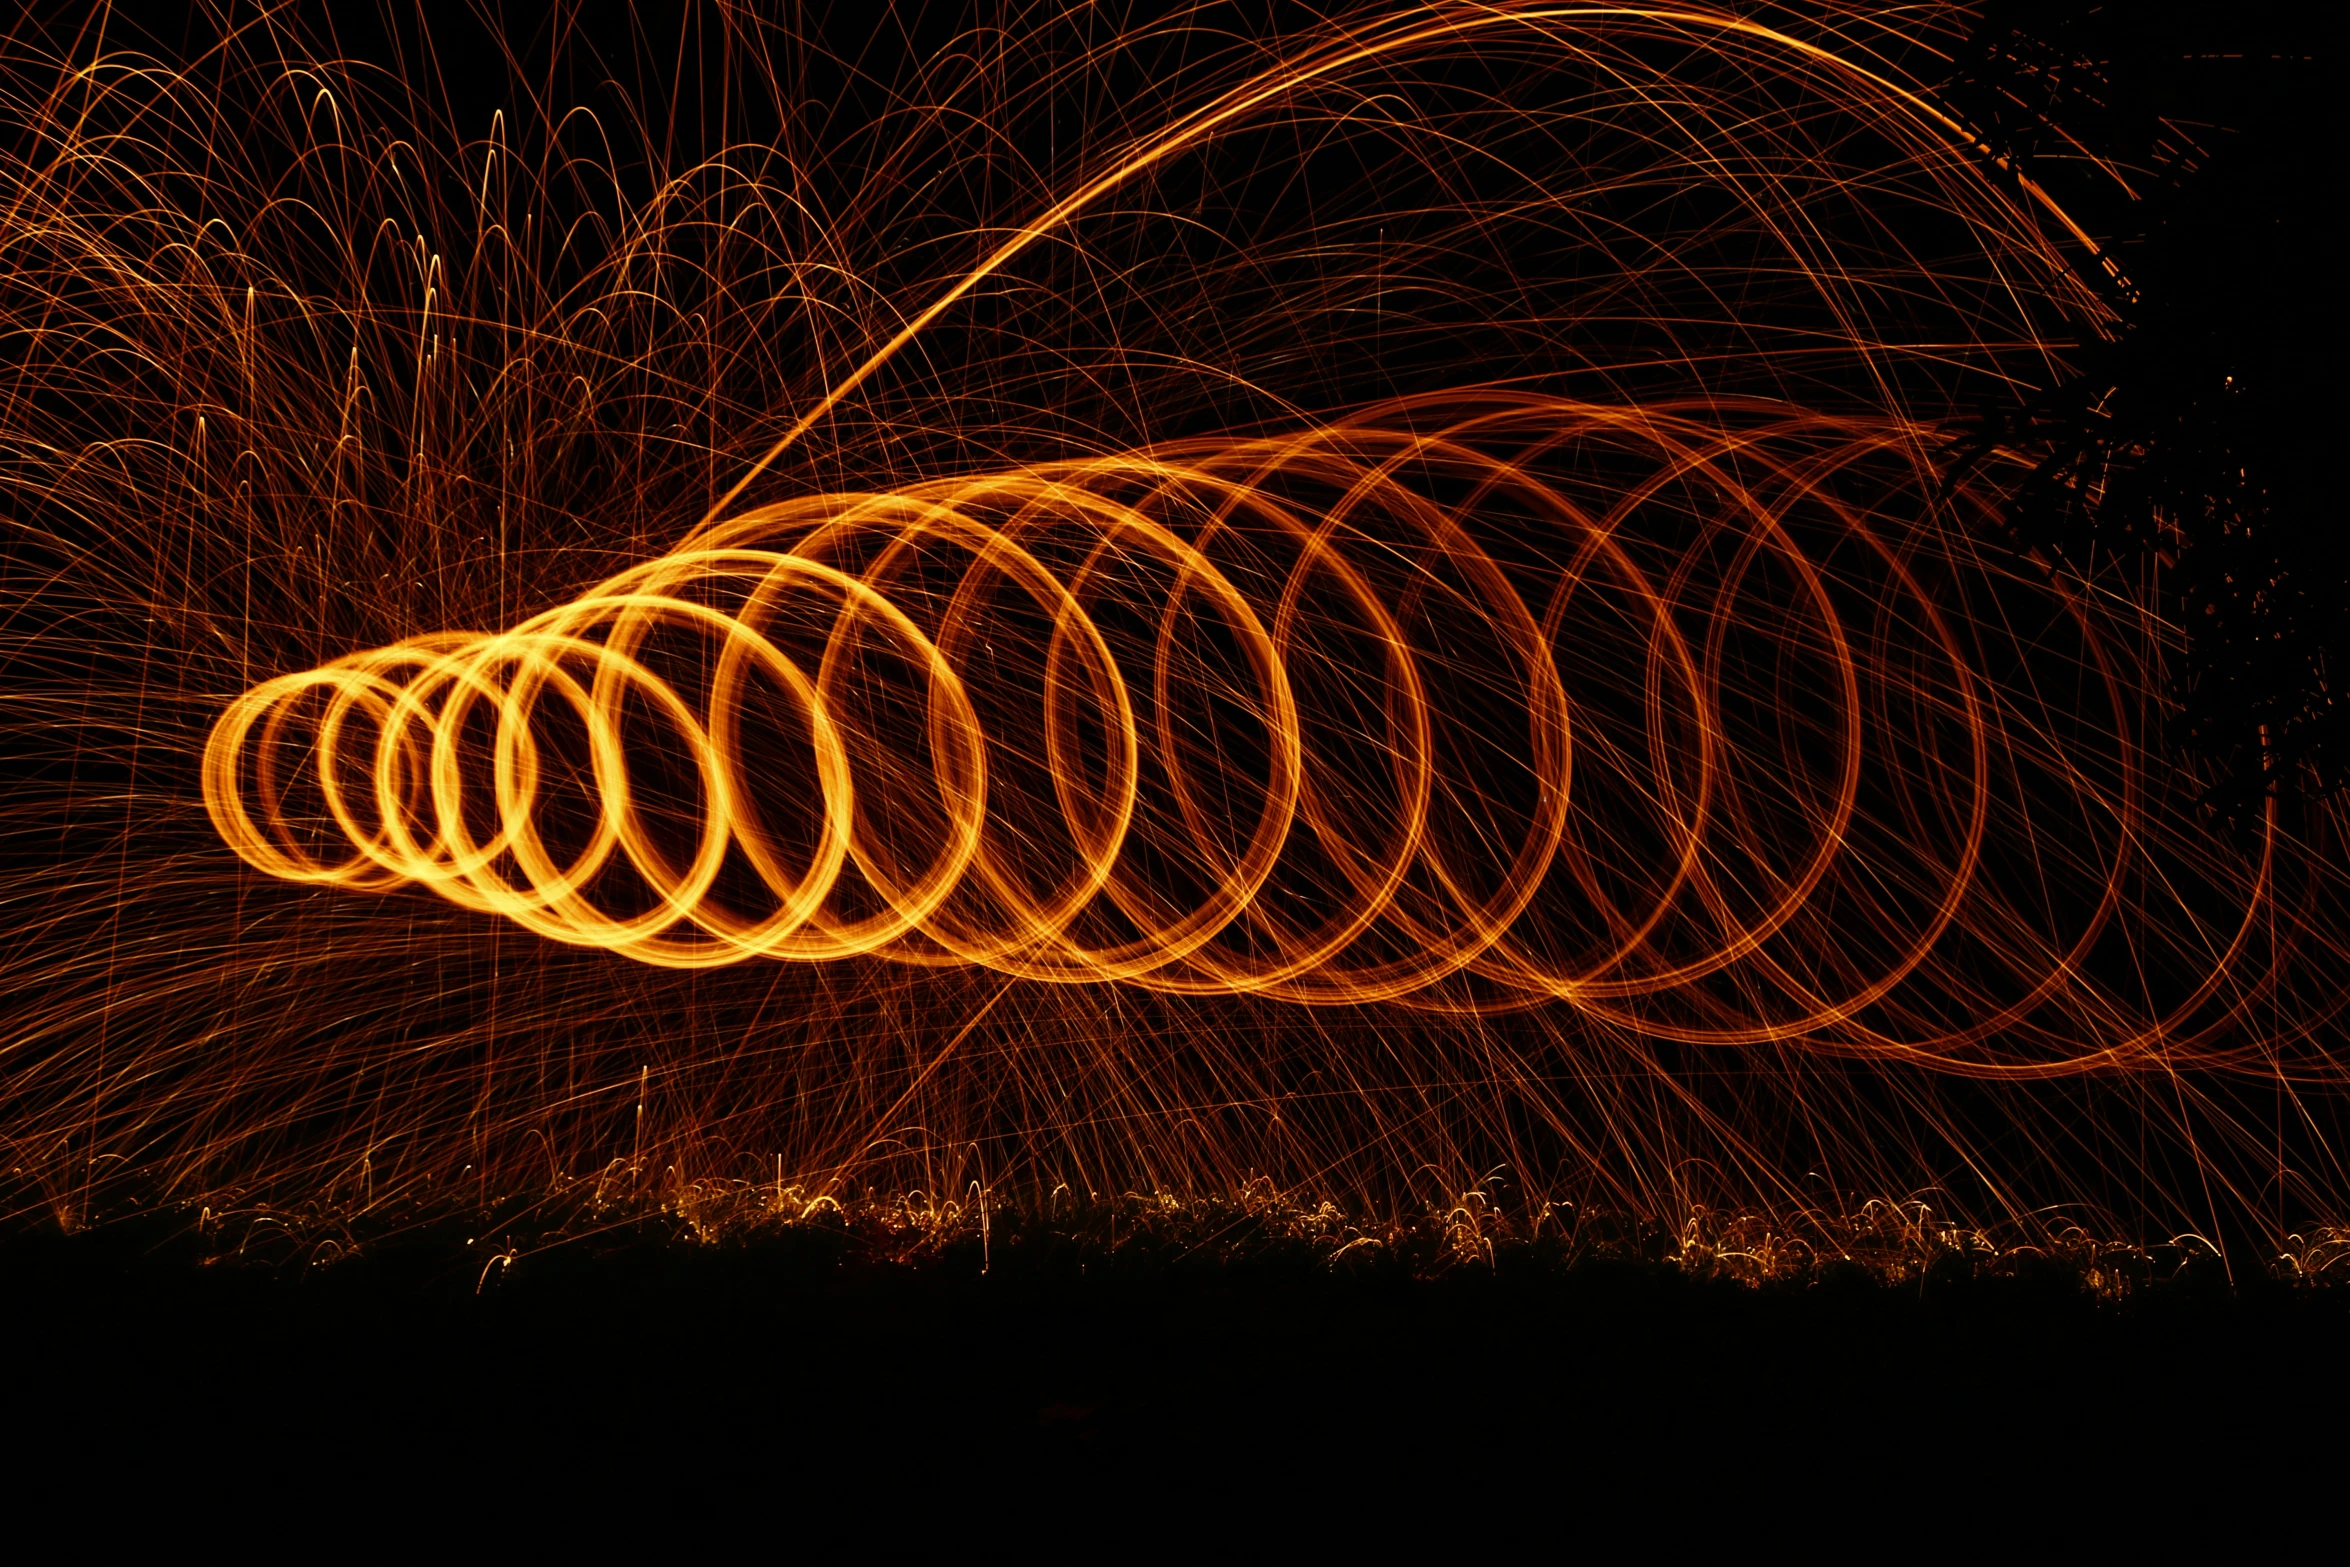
1432, 533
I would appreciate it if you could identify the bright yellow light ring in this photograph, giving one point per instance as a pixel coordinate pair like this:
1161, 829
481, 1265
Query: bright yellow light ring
1135, 629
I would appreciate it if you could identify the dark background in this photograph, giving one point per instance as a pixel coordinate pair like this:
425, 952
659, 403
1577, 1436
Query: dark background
1137, 1394
1134, 1387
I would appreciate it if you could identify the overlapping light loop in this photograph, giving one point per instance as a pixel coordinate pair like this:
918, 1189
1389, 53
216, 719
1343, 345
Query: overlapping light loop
1499, 702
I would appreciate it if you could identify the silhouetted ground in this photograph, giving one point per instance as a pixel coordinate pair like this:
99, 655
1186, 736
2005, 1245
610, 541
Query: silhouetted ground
641, 1379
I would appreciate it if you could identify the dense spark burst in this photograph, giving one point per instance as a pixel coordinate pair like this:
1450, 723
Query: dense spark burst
1347, 613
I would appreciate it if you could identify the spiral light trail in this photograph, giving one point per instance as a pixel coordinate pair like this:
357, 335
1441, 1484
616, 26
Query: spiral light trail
1384, 717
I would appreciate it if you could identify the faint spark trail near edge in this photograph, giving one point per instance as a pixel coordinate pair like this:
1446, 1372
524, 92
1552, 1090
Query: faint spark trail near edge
1280, 81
